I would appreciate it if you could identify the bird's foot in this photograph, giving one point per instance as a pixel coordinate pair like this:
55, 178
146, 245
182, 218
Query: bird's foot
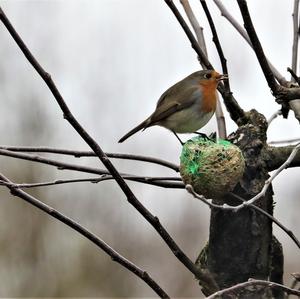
212, 137
181, 142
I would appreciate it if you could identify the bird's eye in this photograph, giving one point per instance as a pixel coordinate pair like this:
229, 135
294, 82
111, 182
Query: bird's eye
207, 76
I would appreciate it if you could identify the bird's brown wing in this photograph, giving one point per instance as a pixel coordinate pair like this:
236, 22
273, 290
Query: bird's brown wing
165, 107
170, 92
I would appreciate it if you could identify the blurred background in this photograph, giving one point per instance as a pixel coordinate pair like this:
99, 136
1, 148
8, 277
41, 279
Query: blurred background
111, 60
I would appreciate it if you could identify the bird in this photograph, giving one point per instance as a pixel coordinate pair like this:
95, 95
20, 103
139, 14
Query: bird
186, 106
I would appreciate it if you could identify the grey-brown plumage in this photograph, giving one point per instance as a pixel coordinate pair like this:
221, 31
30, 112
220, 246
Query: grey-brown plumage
186, 106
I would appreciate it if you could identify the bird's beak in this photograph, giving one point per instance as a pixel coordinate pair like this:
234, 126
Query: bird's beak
222, 77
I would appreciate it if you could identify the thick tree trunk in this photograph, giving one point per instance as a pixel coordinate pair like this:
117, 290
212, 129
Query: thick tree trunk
240, 243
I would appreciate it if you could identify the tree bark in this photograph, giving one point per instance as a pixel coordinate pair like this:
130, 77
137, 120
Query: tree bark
240, 243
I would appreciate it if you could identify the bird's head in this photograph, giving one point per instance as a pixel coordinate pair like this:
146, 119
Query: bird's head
208, 77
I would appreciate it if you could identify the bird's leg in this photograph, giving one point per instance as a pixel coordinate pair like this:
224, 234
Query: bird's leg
182, 143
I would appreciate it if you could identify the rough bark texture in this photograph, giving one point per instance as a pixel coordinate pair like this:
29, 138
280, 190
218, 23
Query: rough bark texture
240, 243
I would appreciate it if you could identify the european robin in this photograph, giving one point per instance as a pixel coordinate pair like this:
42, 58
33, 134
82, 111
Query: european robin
186, 106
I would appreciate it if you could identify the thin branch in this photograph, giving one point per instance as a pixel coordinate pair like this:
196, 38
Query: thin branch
195, 24
288, 94
115, 256
295, 37
132, 199
166, 182
292, 140
58, 164
282, 94
277, 155
293, 74
78, 154
217, 42
296, 276
226, 14
252, 285
293, 286
201, 55
257, 46
221, 120
236, 112
274, 116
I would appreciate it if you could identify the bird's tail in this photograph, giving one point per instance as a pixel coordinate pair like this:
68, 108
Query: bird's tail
141, 126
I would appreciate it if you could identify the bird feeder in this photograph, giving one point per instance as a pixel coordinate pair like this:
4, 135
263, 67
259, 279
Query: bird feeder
212, 168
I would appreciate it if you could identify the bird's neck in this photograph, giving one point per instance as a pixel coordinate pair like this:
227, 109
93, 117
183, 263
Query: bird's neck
209, 91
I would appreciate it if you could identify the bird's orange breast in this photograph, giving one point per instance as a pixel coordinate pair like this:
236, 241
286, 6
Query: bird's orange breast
209, 95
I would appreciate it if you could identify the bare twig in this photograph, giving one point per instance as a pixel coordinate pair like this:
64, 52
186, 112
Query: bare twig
283, 95
132, 199
295, 37
195, 24
296, 276
166, 182
293, 286
273, 116
293, 74
78, 154
221, 120
252, 285
217, 42
226, 14
115, 256
285, 141
277, 155
201, 55
257, 46
58, 164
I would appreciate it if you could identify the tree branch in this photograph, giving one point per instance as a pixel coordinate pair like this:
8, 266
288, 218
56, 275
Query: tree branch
217, 43
295, 37
196, 26
115, 256
257, 46
251, 285
294, 76
201, 56
292, 140
274, 116
278, 155
166, 182
78, 154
